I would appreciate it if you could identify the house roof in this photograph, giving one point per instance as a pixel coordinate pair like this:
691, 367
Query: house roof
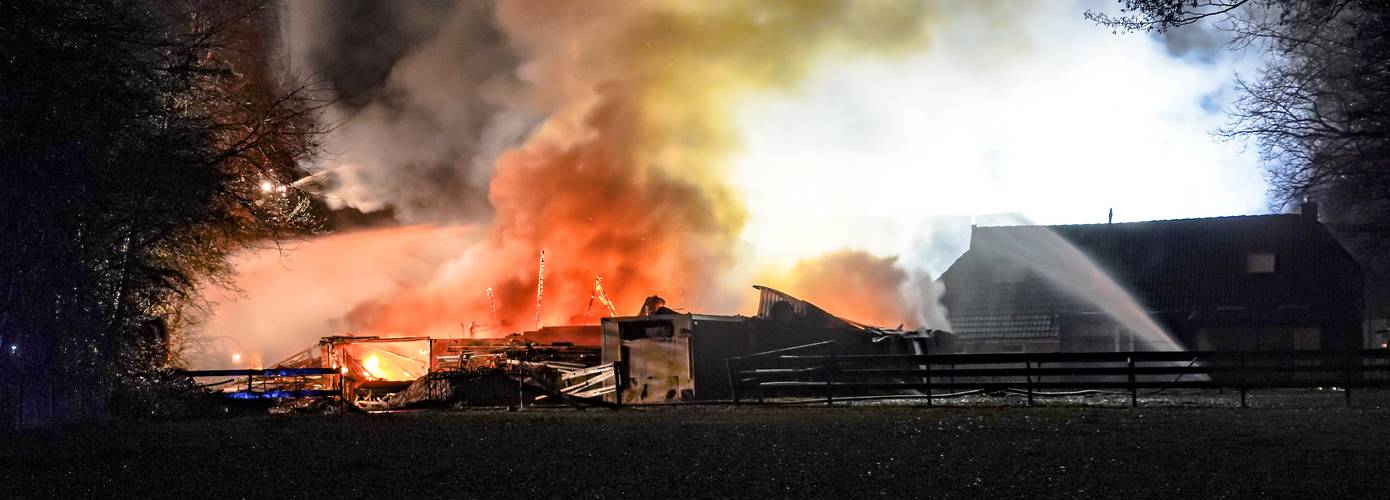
1007, 281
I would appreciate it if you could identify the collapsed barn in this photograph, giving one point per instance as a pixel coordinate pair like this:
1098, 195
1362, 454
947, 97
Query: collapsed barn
682, 356
659, 356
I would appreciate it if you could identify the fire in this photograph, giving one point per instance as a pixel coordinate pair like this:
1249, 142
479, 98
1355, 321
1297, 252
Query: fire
376, 360
625, 178
373, 366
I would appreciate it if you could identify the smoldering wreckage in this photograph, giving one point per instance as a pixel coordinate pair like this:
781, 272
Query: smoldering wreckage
658, 356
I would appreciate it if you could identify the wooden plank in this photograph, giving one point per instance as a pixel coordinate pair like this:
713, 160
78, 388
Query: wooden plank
1115, 357
602, 391
755, 355
588, 383
587, 371
1118, 385
260, 372
1273, 369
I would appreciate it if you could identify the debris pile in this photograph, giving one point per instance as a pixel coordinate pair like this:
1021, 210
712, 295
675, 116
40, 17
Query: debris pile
658, 356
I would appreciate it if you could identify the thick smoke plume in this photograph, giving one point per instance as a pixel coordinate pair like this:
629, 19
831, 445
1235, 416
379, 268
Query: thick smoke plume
423, 101
598, 132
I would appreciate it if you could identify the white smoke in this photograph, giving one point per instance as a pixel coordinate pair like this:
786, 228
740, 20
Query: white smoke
421, 118
1025, 108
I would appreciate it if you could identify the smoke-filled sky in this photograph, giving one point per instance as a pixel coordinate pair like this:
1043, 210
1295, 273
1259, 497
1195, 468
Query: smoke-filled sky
838, 149
1027, 109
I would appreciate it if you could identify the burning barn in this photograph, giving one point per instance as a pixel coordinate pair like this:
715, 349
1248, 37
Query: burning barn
394, 372
657, 356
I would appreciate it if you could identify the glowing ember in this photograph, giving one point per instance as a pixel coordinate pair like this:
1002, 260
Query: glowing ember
373, 366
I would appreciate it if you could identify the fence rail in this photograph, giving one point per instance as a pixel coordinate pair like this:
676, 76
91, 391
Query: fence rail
295, 390
818, 369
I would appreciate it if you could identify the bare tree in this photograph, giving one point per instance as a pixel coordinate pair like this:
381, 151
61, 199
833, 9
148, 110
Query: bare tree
142, 142
1318, 109
1160, 15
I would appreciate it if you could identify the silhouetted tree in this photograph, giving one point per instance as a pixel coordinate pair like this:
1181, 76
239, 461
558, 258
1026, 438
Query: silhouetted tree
141, 142
1160, 15
1319, 108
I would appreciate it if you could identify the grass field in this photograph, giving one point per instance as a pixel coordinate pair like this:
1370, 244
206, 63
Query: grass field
711, 452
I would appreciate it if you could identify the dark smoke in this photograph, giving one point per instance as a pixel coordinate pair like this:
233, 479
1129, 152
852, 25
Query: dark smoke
422, 101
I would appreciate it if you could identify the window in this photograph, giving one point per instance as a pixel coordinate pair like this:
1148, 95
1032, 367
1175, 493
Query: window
1259, 263
646, 330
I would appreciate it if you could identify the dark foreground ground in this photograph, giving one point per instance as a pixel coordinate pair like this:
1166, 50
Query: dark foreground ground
880, 450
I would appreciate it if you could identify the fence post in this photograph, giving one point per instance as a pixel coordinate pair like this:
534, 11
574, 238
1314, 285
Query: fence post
1349, 378
1242, 380
1028, 373
1133, 388
733, 384
928, 365
832, 365
758, 383
618, 382
342, 393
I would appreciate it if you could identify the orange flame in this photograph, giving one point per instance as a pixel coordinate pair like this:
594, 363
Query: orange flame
625, 178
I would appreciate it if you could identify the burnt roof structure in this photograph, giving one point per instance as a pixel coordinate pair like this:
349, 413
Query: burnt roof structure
1242, 271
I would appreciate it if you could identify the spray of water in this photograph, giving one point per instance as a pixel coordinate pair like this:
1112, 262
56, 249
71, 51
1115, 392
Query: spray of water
1045, 253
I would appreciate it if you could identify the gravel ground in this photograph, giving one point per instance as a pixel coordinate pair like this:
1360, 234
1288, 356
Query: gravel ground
970, 450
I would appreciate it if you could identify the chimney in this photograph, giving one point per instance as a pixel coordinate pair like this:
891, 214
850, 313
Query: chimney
972, 232
1309, 209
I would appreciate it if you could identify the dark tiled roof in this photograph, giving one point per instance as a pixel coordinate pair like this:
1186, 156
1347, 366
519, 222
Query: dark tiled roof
1171, 266
1022, 326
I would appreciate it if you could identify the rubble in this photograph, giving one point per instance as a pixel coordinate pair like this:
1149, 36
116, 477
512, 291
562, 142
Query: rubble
658, 356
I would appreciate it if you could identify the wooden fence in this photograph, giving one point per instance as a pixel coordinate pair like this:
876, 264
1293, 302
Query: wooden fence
816, 369
276, 383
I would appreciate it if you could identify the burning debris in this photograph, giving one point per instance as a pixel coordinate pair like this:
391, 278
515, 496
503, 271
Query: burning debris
659, 355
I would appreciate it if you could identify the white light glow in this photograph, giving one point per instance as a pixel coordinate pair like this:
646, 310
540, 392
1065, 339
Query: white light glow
1043, 115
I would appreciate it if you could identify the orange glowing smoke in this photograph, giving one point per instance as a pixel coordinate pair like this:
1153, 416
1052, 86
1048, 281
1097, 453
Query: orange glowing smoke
623, 180
862, 287
625, 177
